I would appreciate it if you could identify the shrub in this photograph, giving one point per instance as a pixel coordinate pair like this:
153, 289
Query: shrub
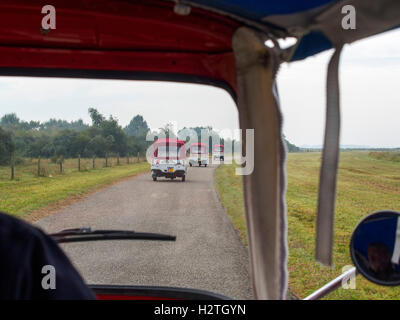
386, 155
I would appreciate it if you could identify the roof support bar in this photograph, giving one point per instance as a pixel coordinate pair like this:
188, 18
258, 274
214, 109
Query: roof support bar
264, 188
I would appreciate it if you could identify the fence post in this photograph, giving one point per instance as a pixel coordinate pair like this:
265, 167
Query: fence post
61, 164
127, 158
38, 167
12, 165
118, 159
106, 161
137, 158
93, 162
79, 162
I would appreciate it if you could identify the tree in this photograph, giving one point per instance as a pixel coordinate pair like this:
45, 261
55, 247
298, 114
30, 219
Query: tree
7, 146
137, 127
290, 146
33, 125
168, 131
116, 137
10, 118
79, 143
10, 121
204, 134
56, 137
35, 145
62, 142
97, 146
110, 130
54, 125
97, 117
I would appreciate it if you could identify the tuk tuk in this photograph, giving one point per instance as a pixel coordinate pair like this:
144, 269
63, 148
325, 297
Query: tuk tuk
169, 157
198, 154
218, 152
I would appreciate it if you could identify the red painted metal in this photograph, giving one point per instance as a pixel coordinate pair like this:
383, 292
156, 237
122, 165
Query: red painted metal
219, 147
110, 35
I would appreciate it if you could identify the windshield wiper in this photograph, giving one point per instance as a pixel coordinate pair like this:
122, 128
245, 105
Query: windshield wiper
86, 234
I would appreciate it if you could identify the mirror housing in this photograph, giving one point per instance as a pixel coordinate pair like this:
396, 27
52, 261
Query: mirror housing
375, 247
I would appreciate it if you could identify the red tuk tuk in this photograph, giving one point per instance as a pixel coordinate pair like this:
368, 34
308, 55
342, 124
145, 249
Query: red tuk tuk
169, 155
218, 152
198, 154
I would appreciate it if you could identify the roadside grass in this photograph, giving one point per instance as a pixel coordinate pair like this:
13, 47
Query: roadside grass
28, 192
365, 184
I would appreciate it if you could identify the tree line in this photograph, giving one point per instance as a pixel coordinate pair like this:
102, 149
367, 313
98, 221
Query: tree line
103, 137
60, 138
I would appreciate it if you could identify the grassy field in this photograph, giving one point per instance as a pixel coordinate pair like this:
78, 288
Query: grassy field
28, 192
365, 184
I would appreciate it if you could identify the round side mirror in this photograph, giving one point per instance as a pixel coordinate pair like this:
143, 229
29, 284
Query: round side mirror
375, 248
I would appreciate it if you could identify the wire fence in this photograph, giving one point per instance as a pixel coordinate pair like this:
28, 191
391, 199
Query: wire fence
45, 167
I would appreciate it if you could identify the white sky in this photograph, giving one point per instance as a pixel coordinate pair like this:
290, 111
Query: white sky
370, 88
370, 94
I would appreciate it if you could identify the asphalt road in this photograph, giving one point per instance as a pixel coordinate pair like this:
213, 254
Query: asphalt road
207, 254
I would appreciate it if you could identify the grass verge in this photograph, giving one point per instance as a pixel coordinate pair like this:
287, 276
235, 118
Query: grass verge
28, 193
365, 184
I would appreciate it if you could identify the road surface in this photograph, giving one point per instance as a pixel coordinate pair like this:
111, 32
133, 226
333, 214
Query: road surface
207, 254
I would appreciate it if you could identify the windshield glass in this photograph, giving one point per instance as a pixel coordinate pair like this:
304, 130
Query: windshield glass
168, 152
82, 136
198, 149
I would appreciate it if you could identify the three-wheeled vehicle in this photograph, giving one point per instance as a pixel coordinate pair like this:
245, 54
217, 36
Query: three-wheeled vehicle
198, 154
169, 159
218, 152
234, 45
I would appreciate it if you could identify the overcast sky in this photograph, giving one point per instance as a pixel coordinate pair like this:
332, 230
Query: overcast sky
370, 94
370, 87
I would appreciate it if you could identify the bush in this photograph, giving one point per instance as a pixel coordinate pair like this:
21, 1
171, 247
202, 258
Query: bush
386, 155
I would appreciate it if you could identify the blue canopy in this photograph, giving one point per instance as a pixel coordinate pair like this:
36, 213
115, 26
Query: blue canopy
299, 13
259, 9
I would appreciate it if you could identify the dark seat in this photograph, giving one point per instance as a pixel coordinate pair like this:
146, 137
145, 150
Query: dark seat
24, 251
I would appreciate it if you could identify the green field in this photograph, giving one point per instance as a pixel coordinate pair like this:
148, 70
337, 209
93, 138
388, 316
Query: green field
365, 184
29, 192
